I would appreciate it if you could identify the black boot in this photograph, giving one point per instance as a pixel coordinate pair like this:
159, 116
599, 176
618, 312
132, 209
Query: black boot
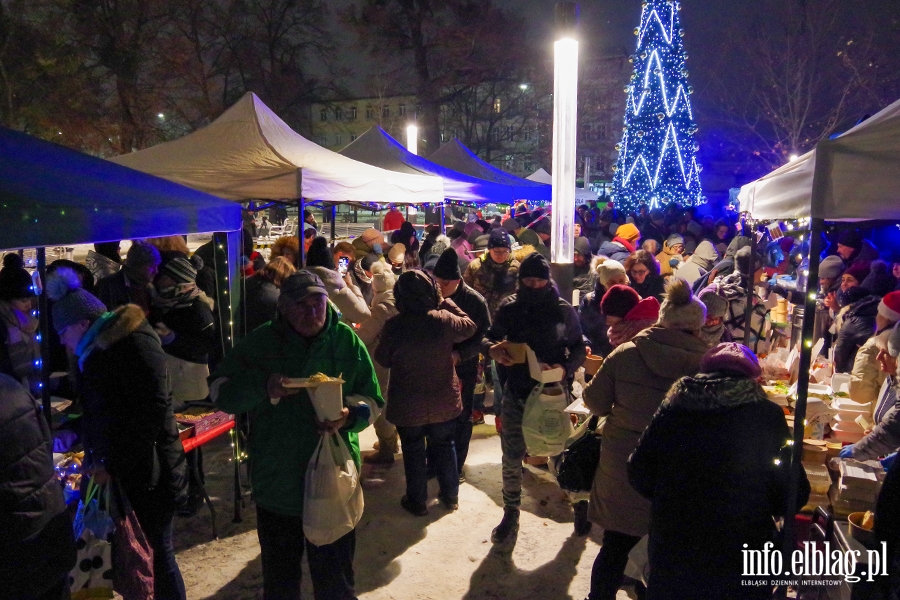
582, 525
508, 527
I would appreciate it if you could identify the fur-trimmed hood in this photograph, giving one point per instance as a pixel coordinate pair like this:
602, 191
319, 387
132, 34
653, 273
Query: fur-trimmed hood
713, 391
126, 320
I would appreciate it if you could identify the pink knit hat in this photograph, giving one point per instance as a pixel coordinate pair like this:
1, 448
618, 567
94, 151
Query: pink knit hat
731, 356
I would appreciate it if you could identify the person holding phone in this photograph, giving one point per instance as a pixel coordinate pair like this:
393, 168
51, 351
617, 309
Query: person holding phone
342, 291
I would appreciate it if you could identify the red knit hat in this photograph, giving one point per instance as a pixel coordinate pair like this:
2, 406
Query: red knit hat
889, 307
619, 300
645, 310
859, 270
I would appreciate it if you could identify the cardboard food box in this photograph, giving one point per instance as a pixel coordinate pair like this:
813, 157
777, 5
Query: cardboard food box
592, 364
543, 376
519, 352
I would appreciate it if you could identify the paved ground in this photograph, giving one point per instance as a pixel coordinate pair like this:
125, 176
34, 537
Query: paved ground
443, 556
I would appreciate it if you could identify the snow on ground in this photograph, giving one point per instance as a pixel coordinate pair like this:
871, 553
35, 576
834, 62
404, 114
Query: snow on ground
444, 556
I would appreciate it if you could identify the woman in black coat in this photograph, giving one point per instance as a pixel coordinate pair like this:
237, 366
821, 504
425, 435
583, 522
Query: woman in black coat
714, 463
37, 550
128, 426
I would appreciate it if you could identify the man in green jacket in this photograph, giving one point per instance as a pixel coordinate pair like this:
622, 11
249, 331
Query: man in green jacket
305, 338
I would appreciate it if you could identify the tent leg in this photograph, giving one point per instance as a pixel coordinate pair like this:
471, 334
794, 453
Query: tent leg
443, 220
751, 291
44, 324
333, 226
301, 206
806, 343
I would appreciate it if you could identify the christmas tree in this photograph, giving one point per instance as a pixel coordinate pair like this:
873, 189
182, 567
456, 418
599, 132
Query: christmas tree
658, 155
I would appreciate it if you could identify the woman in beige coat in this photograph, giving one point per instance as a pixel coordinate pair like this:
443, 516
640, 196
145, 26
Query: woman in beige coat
628, 388
383, 308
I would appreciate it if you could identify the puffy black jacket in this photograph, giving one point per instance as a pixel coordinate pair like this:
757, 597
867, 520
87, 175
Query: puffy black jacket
715, 463
593, 322
473, 304
128, 424
260, 302
194, 328
552, 330
36, 547
858, 326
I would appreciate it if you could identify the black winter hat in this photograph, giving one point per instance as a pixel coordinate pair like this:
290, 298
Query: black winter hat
542, 226
15, 281
534, 265
499, 238
319, 255
851, 239
447, 266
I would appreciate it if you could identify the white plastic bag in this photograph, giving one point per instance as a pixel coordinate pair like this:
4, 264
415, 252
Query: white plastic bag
638, 567
332, 496
545, 424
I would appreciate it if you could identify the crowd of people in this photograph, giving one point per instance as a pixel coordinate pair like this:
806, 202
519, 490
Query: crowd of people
423, 332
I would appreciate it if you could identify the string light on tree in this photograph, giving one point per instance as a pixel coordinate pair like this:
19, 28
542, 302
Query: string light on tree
658, 155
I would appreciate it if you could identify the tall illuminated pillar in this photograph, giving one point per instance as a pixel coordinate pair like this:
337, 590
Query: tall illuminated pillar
565, 114
412, 139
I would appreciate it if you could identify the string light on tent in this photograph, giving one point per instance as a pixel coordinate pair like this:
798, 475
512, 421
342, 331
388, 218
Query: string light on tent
658, 154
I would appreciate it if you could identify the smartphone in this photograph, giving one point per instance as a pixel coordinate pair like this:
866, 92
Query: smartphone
343, 265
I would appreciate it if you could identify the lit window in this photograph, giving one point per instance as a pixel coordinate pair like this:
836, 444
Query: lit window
496, 105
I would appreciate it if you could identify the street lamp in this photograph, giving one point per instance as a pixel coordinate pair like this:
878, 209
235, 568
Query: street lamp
565, 113
412, 139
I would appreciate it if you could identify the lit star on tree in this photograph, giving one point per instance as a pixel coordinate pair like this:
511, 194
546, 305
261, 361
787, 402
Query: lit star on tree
658, 155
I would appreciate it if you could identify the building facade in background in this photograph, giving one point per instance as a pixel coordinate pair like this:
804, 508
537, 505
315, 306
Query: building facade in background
506, 123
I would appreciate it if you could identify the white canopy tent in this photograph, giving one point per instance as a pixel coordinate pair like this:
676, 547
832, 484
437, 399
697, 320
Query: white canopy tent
581, 194
855, 176
250, 153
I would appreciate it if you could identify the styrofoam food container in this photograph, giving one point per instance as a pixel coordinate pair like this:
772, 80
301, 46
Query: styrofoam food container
846, 436
328, 400
846, 424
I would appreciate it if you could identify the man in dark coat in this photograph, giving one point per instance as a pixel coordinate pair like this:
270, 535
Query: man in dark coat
449, 280
134, 283
858, 326
537, 316
37, 550
715, 464
128, 427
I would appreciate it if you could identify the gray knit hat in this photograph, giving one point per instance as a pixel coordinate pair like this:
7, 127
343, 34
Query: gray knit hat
831, 267
181, 270
716, 304
680, 310
71, 303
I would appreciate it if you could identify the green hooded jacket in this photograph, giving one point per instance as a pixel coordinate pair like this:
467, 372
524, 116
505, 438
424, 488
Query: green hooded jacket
284, 436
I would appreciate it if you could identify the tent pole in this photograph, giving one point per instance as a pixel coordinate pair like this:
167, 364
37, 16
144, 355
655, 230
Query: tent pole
748, 310
443, 219
301, 205
806, 343
44, 324
333, 226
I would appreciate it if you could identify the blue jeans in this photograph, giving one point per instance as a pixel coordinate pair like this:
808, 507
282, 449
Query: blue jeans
157, 526
282, 544
441, 450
